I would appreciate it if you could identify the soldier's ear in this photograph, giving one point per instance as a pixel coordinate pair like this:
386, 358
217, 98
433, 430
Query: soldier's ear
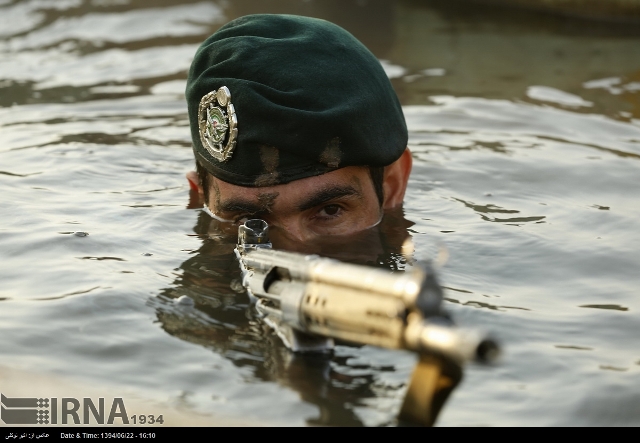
194, 182
396, 177
196, 192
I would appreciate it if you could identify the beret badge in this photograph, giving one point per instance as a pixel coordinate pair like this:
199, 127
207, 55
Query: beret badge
217, 123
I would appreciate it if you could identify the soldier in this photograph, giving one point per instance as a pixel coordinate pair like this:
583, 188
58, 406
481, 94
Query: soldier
293, 120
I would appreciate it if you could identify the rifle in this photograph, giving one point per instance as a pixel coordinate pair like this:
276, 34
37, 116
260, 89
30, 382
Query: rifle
309, 301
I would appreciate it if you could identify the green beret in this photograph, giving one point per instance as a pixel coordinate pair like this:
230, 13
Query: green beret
277, 98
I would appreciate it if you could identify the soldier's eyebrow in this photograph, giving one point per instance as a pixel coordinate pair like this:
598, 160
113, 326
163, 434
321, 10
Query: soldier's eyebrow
264, 204
327, 194
239, 205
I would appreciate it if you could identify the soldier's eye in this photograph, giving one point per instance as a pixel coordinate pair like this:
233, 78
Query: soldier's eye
331, 209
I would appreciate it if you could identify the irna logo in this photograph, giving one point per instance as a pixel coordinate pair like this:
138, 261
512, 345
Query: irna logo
44, 411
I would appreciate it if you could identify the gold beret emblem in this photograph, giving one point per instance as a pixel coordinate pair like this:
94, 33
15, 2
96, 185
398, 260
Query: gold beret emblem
217, 123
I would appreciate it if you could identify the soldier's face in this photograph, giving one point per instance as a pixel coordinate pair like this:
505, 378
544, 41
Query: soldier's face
340, 202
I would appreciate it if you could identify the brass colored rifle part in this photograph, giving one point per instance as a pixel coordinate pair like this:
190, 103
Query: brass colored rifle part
309, 301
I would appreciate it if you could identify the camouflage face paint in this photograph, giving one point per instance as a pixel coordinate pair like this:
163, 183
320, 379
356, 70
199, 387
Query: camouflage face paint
270, 157
331, 155
267, 200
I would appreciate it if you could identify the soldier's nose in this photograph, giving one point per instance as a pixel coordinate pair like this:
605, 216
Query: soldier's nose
289, 236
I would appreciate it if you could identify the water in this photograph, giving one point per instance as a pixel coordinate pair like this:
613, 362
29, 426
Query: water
525, 132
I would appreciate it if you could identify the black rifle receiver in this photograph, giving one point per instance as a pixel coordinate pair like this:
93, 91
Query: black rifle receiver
310, 300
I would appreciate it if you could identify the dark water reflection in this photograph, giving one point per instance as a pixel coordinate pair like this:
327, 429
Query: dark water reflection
207, 306
525, 133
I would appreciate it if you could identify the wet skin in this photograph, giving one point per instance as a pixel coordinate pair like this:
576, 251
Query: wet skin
341, 202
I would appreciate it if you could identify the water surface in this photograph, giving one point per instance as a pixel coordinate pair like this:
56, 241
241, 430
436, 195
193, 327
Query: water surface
525, 132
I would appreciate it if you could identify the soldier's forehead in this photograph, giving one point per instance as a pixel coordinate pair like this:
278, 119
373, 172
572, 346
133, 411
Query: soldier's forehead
301, 195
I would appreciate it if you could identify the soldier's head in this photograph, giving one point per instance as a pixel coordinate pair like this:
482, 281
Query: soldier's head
294, 121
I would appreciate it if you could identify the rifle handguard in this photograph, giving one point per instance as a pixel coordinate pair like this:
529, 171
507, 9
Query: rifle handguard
307, 294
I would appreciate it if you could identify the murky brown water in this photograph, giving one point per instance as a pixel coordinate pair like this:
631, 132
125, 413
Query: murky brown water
525, 131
